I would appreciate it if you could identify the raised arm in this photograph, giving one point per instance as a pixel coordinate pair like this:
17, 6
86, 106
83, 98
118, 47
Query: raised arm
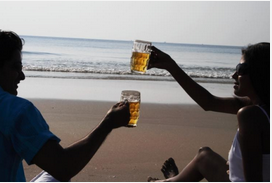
64, 163
199, 94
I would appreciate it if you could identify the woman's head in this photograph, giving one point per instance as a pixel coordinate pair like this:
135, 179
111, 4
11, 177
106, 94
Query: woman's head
10, 42
257, 57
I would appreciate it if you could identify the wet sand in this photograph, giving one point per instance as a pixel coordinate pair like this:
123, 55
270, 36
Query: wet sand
132, 154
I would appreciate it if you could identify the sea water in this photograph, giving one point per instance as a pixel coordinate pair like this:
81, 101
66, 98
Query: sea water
53, 57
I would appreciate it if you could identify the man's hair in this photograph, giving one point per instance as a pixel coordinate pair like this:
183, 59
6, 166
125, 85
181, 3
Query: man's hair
9, 42
258, 58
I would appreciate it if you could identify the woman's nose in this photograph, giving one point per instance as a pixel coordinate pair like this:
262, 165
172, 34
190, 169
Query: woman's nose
234, 75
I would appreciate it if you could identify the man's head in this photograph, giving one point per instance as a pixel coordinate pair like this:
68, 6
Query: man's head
10, 61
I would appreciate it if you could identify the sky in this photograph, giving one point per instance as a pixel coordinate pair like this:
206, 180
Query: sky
233, 23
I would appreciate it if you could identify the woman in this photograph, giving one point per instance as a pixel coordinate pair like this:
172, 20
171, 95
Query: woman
249, 157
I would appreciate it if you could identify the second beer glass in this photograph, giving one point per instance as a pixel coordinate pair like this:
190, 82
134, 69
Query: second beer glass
134, 100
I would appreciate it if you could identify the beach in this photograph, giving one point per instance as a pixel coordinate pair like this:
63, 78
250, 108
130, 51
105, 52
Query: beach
169, 126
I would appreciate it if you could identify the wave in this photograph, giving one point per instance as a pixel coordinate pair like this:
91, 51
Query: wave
61, 75
150, 75
196, 72
38, 53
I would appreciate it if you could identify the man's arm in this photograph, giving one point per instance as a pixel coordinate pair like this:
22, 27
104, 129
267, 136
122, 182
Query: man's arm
64, 163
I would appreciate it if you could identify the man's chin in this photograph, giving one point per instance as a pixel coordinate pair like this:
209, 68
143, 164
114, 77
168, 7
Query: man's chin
14, 92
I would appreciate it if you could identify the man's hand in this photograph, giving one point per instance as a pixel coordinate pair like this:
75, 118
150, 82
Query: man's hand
117, 116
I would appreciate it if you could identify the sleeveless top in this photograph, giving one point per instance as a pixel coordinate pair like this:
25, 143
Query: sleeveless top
236, 170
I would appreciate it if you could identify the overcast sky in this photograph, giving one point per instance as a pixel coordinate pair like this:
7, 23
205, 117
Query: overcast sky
214, 22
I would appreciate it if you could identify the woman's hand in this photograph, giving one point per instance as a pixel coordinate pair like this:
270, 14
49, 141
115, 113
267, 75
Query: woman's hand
161, 60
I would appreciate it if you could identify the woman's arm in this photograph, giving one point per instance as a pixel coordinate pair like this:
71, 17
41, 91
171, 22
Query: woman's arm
199, 94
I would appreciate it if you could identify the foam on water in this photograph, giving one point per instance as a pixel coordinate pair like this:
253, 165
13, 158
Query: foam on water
100, 59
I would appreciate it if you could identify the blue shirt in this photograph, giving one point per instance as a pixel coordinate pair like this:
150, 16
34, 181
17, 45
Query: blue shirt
23, 131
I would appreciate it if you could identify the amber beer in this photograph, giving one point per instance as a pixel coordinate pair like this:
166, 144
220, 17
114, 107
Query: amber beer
139, 62
134, 100
140, 56
134, 108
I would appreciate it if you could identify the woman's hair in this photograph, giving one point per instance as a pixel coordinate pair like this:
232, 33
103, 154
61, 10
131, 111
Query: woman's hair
258, 58
9, 42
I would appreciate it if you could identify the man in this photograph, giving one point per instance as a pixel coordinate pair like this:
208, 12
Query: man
24, 134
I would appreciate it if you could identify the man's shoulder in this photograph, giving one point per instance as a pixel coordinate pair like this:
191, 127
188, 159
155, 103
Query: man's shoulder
13, 108
13, 103
15, 100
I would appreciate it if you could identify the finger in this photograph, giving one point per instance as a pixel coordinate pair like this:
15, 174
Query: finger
153, 63
126, 102
117, 105
154, 49
153, 59
150, 66
154, 55
123, 103
150, 62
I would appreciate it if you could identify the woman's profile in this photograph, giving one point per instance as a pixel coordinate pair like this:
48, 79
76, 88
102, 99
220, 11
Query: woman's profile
249, 156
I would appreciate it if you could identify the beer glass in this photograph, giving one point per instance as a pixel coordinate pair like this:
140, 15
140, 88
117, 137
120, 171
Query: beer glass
134, 99
140, 56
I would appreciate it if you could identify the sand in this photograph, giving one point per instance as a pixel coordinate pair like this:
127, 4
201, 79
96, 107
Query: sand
132, 154
170, 125
110, 90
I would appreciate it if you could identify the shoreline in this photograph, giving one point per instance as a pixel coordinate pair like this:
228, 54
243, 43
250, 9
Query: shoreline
110, 90
133, 154
124, 76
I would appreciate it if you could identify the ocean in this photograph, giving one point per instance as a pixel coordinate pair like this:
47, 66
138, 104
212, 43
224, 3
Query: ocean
52, 57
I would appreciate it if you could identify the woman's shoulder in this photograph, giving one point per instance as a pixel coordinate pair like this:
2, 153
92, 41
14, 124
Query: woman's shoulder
252, 111
252, 116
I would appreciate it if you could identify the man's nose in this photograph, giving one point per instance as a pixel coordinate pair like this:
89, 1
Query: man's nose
22, 76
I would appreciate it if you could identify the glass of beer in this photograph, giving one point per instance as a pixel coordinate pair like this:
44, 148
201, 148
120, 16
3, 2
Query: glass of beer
134, 99
140, 56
